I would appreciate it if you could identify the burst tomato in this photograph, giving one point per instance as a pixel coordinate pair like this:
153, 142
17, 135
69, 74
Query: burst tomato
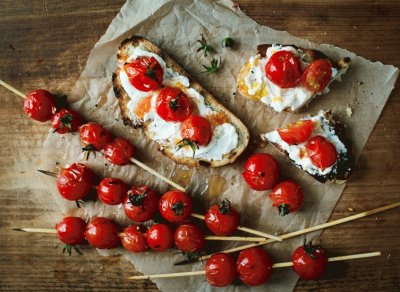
322, 153
71, 230
189, 238
173, 105
287, 196
102, 233
75, 182
160, 237
40, 105
309, 261
141, 204
283, 69
119, 151
261, 172
145, 73
133, 239
66, 121
297, 133
317, 75
197, 130
94, 136
220, 270
175, 206
222, 219
254, 266
112, 191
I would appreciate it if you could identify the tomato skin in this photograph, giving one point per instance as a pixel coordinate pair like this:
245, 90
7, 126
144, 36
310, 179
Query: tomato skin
102, 233
287, 196
71, 230
133, 239
94, 135
66, 121
261, 172
145, 73
322, 153
222, 219
175, 206
40, 105
141, 204
254, 266
283, 69
119, 151
309, 262
112, 191
220, 270
160, 237
197, 130
75, 182
172, 105
189, 238
317, 75
297, 133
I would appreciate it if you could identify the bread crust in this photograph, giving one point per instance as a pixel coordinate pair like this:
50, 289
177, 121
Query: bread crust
135, 122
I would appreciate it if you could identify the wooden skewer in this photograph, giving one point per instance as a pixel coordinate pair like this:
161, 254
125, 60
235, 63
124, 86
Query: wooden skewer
277, 265
245, 229
13, 89
303, 231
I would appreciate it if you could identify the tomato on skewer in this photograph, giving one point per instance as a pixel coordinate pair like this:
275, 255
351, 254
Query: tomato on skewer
40, 105
133, 239
220, 270
66, 121
287, 196
141, 204
160, 237
102, 233
261, 172
175, 206
254, 266
189, 238
112, 191
309, 261
222, 219
119, 151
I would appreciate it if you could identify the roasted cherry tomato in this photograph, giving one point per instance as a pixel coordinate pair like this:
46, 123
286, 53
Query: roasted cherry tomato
112, 191
75, 182
160, 237
317, 75
40, 105
173, 105
71, 230
220, 270
133, 239
141, 204
175, 206
287, 196
222, 219
254, 266
102, 233
119, 151
309, 261
145, 73
94, 136
197, 130
283, 69
322, 153
261, 172
189, 238
66, 121
297, 132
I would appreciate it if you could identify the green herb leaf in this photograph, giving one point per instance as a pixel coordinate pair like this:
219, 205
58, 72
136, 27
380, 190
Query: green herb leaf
227, 43
204, 46
173, 103
137, 200
214, 66
224, 207
186, 142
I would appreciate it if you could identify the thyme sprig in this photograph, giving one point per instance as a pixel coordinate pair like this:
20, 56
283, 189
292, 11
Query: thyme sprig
214, 66
206, 48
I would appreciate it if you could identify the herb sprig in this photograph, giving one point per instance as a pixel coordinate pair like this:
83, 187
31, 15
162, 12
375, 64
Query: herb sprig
206, 48
214, 66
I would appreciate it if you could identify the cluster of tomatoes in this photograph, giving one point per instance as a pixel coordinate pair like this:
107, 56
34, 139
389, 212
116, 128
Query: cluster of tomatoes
284, 70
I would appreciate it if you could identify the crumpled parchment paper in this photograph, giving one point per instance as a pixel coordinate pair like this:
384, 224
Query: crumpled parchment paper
175, 26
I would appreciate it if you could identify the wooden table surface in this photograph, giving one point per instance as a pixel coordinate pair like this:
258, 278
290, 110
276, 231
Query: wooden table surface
45, 44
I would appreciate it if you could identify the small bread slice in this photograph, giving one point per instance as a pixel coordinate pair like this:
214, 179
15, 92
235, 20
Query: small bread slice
307, 56
134, 121
344, 166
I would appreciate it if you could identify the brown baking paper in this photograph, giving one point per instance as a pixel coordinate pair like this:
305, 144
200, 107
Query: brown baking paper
175, 26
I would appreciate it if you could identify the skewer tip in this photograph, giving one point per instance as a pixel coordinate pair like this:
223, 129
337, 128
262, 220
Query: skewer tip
47, 172
18, 229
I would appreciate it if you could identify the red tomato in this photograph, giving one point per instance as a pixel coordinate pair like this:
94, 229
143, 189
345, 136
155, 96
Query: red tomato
145, 73
66, 121
222, 219
189, 238
220, 270
317, 75
321, 152
254, 266
287, 196
261, 172
133, 239
283, 69
175, 206
119, 151
40, 105
309, 261
160, 237
196, 129
297, 133
102, 233
71, 230
141, 204
173, 105
112, 191
94, 136
75, 182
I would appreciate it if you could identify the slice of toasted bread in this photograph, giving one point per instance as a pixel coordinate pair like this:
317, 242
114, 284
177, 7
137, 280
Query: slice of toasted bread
344, 165
308, 55
131, 119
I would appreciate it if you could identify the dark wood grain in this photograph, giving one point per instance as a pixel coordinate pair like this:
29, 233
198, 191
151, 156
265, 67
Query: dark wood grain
46, 43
